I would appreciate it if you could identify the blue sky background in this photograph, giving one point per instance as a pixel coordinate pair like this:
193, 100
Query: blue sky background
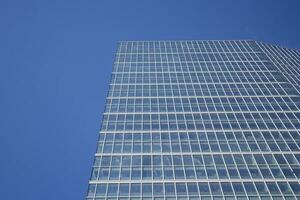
55, 64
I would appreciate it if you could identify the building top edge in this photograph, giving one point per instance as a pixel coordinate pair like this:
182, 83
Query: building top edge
185, 40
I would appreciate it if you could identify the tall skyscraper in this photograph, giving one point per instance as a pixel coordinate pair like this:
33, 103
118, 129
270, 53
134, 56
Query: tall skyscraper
191, 119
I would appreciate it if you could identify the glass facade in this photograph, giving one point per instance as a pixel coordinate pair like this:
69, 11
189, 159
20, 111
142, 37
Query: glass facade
200, 120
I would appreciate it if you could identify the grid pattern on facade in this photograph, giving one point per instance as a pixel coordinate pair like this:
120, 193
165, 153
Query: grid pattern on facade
287, 61
191, 119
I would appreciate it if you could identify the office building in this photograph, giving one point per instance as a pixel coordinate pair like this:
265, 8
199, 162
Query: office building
200, 120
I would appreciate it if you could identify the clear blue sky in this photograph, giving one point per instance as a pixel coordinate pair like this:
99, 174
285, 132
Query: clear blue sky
55, 63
